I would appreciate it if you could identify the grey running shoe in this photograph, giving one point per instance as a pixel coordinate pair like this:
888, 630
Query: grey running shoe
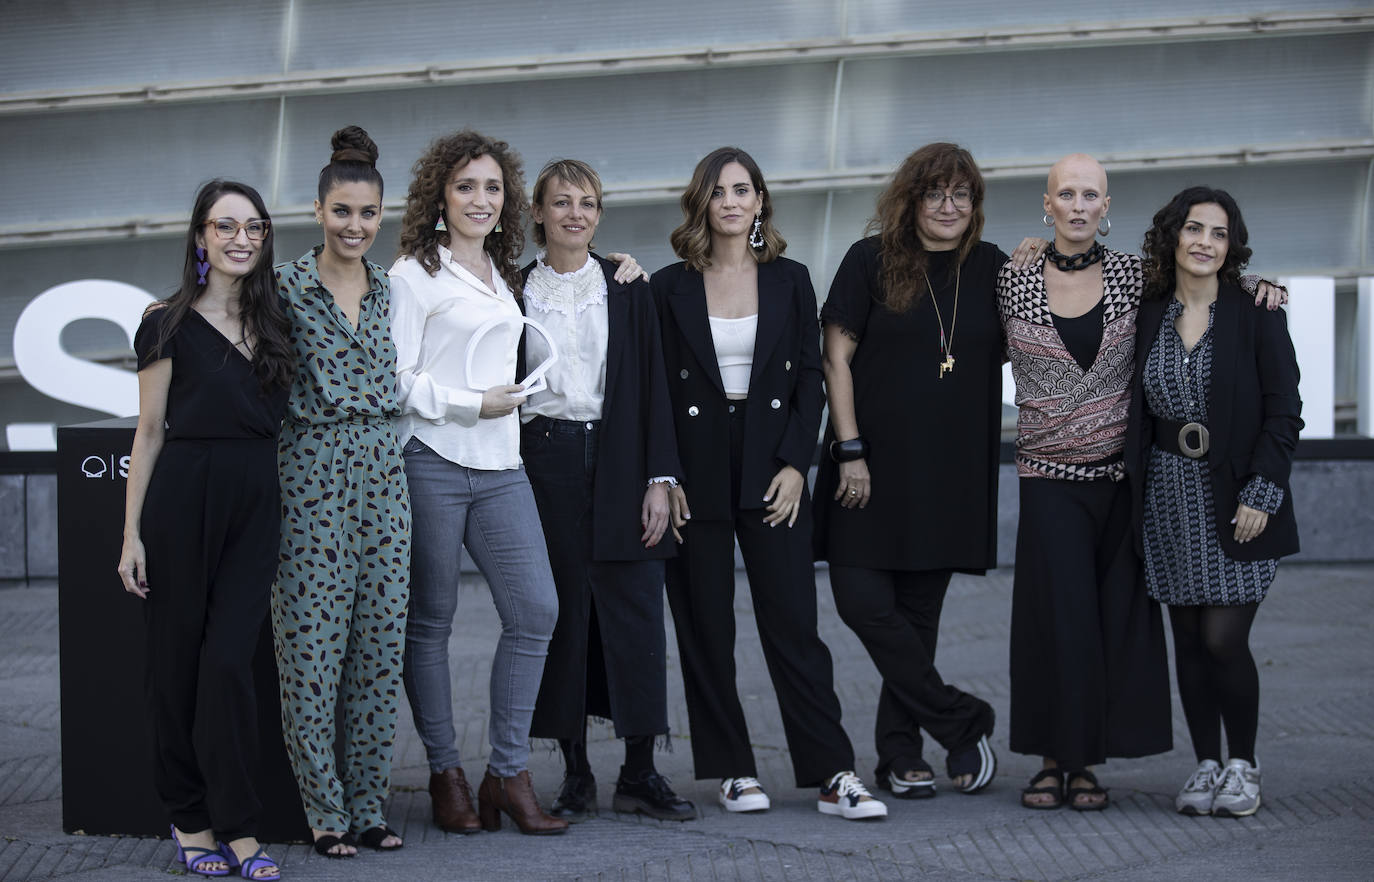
1239, 793
1201, 788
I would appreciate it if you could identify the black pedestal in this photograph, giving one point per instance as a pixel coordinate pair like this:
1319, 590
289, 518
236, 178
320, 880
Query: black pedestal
107, 778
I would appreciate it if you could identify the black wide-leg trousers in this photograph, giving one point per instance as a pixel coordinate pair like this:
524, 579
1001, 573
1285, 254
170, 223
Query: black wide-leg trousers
211, 526
896, 615
782, 583
1089, 674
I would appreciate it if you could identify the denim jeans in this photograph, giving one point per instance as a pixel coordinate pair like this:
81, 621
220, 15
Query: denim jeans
494, 515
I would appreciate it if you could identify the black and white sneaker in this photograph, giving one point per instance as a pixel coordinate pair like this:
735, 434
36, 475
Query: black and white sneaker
743, 795
845, 795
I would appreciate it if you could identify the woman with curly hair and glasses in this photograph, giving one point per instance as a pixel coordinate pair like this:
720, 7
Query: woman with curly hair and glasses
202, 520
451, 292
743, 359
907, 494
1215, 416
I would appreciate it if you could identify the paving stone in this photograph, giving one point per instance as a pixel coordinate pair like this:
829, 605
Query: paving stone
1317, 724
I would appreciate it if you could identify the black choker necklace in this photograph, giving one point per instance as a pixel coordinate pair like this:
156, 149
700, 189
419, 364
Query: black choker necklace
1070, 262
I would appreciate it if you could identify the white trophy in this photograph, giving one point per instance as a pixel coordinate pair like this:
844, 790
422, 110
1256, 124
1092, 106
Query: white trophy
498, 343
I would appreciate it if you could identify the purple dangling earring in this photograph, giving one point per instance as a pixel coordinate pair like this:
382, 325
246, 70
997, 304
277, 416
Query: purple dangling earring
202, 265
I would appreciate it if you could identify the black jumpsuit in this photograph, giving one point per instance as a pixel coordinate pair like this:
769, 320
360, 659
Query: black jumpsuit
210, 525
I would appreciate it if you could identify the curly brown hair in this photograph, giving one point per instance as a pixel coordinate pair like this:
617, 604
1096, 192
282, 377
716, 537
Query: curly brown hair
425, 200
692, 239
904, 258
1161, 239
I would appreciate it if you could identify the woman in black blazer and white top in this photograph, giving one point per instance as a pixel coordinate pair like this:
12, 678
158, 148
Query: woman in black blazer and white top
740, 342
1215, 416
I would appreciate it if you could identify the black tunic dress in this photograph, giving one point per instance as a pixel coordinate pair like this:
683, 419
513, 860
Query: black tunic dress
933, 440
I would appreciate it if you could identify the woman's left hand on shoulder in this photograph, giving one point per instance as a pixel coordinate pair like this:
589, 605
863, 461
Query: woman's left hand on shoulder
784, 497
629, 268
1269, 295
1250, 522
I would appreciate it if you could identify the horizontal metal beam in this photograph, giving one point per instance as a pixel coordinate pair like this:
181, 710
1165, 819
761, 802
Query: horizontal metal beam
536, 67
657, 192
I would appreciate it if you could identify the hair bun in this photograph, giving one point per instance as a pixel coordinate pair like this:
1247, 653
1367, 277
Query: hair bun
352, 144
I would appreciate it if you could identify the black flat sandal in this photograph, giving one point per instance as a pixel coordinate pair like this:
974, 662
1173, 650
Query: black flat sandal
373, 837
329, 840
1053, 786
1073, 793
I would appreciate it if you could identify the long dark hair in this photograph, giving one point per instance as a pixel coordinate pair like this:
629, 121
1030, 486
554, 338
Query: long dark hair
431, 175
692, 239
354, 161
904, 257
260, 309
1161, 240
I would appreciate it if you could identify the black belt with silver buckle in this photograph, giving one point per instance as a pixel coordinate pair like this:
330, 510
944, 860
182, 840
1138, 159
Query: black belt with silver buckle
1184, 439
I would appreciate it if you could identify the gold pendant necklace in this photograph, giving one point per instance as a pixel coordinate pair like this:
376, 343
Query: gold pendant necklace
946, 343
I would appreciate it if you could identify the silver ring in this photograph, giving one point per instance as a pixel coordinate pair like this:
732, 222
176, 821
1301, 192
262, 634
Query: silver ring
853, 492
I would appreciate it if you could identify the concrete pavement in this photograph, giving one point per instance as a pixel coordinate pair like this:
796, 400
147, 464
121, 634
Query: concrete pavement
1311, 642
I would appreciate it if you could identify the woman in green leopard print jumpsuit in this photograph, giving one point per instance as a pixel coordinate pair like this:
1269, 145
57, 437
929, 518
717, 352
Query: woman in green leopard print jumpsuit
338, 608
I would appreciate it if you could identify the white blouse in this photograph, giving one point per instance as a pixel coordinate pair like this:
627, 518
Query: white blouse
432, 320
571, 307
734, 340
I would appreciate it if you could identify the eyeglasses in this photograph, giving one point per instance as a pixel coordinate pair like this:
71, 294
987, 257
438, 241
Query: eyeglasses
227, 228
934, 200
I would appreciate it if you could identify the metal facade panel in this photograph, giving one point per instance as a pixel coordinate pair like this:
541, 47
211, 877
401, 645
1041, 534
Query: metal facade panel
125, 164
880, 16
1158, 97
53, 44
442, 31
675, 120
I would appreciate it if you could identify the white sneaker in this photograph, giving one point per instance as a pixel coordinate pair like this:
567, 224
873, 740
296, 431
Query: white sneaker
845, 795
743, 795
1238, 795
1200, 789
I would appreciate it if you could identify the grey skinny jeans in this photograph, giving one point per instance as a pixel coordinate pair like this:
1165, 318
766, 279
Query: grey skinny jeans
494, 515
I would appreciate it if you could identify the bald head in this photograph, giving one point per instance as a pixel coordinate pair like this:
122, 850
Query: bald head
1080, 169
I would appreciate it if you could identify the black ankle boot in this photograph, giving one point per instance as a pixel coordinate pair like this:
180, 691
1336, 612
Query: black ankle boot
576, 798
648, 793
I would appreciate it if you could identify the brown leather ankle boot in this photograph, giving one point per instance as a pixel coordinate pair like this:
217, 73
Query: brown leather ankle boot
451, 800
514, 796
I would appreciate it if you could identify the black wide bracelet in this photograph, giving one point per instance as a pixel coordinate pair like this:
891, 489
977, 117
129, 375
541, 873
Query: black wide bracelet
848, 451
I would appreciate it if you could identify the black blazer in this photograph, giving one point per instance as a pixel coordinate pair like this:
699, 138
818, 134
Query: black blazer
637, 441
1254, 414
782, 416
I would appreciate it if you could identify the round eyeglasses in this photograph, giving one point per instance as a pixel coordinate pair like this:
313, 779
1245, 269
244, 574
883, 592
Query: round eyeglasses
227, 228
934, 199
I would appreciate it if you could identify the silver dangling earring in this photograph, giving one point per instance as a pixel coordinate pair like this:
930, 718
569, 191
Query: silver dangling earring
439, 225
1047, 221
498, 227
756, 236
1105, 220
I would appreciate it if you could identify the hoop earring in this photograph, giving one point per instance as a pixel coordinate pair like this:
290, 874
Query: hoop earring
1105, 220
756, 236
439, 225
202, 265
1047, 221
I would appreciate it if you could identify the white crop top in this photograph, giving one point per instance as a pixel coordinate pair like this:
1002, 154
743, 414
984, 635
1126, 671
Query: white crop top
734, 340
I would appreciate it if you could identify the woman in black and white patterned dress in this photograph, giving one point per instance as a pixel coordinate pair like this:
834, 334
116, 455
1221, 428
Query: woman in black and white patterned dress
1214, 421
